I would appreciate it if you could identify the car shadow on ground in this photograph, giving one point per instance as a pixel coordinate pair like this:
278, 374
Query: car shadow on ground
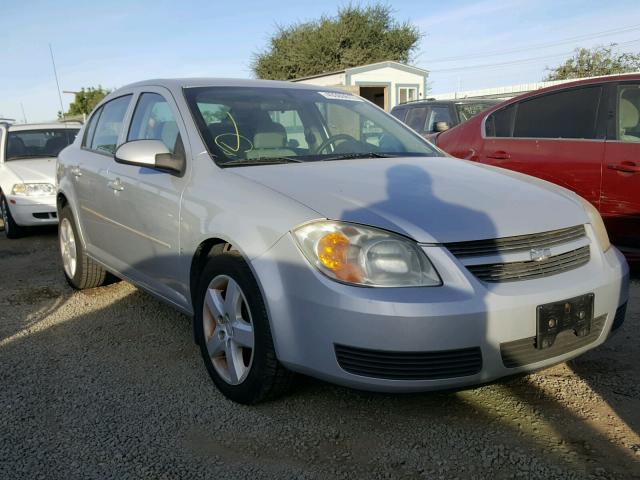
122, 386
107, 382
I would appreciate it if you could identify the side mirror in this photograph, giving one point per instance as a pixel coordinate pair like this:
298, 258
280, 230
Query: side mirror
150, 154
441, 126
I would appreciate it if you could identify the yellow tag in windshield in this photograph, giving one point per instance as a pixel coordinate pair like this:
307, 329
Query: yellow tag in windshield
231, 144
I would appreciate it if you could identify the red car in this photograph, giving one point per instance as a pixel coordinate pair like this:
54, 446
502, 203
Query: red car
583, 135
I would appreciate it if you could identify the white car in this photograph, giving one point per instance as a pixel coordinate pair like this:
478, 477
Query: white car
27, 173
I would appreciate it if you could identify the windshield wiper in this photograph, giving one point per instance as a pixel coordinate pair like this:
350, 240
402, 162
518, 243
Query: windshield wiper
22, 157
261, 161
354, 156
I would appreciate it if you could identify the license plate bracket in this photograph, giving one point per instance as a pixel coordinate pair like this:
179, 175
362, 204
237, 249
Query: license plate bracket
572, 314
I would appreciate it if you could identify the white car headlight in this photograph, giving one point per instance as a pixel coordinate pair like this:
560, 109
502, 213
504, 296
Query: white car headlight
365, 256
33, 189
597, 224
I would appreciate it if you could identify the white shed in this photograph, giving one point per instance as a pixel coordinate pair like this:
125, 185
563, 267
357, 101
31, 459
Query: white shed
386, 84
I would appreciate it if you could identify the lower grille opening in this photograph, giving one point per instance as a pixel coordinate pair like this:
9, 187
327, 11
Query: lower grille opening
409, 365
524, 352
45, 215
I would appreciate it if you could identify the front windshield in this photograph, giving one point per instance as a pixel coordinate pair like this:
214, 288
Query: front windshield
468, 110
22, 144
247, 125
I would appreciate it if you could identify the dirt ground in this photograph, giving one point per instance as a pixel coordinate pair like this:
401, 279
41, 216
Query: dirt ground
107, 383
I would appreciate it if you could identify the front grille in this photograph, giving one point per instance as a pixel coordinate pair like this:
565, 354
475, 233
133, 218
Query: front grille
409, 365
505, 272
497, 246
618, 320
524, 352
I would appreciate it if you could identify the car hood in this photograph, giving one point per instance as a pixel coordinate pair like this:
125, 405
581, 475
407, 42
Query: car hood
36, 170
430, 199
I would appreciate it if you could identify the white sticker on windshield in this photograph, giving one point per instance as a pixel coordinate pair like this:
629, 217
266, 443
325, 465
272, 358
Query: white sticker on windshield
340, 96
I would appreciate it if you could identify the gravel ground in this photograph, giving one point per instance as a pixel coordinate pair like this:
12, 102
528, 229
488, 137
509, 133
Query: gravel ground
107, 383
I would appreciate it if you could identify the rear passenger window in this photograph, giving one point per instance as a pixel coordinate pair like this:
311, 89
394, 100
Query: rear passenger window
500, 122
105, 138
416, 118
153, 120
399, 113
91, 128
566, 114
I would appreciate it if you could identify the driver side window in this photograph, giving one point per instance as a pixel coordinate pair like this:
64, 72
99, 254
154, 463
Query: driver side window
629, 113
153, 120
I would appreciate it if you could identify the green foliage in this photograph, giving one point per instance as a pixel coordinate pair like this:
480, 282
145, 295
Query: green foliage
85, 101
593, 62
356, 36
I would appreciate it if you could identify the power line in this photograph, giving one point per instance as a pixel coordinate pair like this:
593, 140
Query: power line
517, 62
604, 33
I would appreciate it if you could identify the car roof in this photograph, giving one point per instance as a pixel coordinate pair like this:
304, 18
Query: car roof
41, 126
179, 83
576, 83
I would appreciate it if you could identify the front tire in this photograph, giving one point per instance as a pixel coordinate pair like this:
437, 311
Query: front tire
233, 332
80, 271
11, 228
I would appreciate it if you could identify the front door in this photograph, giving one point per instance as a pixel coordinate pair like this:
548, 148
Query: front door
621, 172
148, 200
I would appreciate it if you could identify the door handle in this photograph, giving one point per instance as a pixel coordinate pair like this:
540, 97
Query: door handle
499, 155
627, 167
76, 172
116, 185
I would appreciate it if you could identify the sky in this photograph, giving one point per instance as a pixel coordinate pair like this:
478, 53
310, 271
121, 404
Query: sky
465, 45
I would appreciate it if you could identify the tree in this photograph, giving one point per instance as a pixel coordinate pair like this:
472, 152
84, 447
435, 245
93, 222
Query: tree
85, 101
596, 61
355, 36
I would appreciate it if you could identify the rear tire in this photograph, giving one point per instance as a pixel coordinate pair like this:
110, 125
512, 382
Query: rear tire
11, 228
80, 271
241, 331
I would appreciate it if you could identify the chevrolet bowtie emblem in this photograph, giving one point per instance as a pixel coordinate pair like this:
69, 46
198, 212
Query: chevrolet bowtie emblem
540, 254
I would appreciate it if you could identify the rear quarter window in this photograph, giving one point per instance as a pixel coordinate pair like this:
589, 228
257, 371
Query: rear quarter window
399, 113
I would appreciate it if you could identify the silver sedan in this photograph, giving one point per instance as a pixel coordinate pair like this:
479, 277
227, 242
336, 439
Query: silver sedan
306, 230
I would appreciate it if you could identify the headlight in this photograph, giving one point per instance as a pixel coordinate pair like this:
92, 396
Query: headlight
365, 256
33, 189
597, 224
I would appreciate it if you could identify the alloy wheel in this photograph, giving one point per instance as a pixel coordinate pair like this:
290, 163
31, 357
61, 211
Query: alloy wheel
228, 329
68, 247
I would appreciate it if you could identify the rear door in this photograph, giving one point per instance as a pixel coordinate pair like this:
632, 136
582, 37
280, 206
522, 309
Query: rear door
620, 201
557, 136
148, 200
91, 175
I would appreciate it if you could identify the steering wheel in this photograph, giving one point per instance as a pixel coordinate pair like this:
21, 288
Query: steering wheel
333, 139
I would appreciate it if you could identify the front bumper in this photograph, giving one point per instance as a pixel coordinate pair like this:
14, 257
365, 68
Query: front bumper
310, 315
31, 211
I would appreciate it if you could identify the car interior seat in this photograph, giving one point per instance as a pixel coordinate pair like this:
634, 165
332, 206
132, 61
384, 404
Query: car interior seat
629, 119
